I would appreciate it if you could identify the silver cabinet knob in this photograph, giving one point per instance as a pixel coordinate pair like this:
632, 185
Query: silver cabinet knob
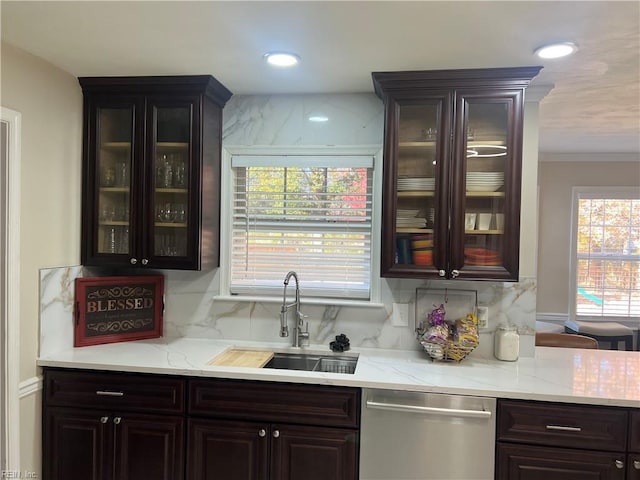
104, 419
636, 464
145, 261
133, 261
442, 273
276, 433
262, 432
619, 464
454, 273
117, 420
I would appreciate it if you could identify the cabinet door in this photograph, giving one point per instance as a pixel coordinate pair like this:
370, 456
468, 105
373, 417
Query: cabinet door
633, 466
485, 177
110, 152
148, 446
416, 170
172, 215
313, 453
523, 462
76, 445
227, 450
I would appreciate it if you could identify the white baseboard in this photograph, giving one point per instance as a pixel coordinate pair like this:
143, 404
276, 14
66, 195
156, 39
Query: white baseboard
29, 386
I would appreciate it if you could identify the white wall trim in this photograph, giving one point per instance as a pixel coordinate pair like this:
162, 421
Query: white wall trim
588, 157
11, 361
552, 317
30, 386
228, 151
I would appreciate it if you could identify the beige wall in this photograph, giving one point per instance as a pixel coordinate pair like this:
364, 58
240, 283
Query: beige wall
556, 179
50, 101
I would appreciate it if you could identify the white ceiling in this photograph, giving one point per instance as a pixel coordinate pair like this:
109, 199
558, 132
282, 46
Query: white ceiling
594, 107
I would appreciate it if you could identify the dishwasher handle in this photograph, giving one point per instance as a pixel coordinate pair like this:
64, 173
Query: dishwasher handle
450, 412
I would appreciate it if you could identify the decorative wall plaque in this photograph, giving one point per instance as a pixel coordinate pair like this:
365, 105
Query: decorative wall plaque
118, 309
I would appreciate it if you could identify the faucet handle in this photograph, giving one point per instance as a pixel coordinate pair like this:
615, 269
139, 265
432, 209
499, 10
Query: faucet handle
304, 336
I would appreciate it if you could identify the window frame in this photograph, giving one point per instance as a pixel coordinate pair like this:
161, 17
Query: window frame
226, 229
582, 192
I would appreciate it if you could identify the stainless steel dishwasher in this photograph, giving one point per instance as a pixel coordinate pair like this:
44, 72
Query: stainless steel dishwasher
426, 436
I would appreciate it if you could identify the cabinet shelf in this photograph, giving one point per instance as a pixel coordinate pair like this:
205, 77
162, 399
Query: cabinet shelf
484, 232
170, 225
486, 194
172, 190
430, 144
114, 189
415, 193
114, 223
172, 145
414, 230
116, 145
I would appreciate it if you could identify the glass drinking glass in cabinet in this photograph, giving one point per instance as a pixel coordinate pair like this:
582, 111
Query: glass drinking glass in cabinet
108, 176
171, 171
170, 245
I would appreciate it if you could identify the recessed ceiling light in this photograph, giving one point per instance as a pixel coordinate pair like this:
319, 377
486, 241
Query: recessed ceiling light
556, 50
318, 118
281, 59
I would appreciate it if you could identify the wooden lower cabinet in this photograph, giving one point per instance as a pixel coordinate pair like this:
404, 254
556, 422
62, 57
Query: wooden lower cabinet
559, 441
526, 462
97, 445
235, 450
248, 430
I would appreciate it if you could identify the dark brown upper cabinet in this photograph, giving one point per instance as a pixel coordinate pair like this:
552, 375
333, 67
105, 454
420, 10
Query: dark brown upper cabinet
151, 171
452, 172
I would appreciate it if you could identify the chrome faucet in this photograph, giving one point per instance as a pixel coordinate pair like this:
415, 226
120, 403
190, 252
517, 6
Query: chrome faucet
298, 334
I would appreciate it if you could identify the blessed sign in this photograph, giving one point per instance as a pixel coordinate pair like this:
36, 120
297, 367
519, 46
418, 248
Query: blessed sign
117, 309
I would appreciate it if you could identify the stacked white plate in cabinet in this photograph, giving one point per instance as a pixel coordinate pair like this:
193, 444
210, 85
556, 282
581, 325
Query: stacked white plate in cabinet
416, 183
407, 218
484, 181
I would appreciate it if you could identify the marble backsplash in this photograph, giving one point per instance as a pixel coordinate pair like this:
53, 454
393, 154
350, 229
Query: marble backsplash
192, 310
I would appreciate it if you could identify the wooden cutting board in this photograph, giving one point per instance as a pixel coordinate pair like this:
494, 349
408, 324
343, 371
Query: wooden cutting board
241, 358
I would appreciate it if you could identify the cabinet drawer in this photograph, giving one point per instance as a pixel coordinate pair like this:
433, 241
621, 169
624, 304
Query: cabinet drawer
149, 393
275, 402
555, 424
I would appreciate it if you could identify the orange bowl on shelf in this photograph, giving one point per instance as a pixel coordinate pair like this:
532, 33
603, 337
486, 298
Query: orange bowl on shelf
423, 257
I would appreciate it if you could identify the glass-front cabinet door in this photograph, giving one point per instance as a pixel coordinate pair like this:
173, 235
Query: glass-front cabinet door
171, 216
112, 173
418, 224
486, 184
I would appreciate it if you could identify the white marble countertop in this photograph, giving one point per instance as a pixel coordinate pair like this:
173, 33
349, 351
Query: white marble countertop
600, 377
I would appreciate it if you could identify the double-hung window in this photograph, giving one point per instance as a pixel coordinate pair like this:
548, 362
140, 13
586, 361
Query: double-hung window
606, 253
310, 214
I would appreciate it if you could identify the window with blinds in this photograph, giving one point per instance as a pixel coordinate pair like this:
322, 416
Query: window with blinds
607, 254
310, 214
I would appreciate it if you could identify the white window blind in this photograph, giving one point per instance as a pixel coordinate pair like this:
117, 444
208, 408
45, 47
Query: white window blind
310, 214
607, 255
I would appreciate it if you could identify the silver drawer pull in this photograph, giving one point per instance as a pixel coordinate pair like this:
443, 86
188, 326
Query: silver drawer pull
619, 464
104, 419
636, 464
107, 393
563, 428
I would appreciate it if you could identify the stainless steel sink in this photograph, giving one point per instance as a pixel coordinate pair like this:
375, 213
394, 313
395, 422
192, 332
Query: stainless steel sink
313, 362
